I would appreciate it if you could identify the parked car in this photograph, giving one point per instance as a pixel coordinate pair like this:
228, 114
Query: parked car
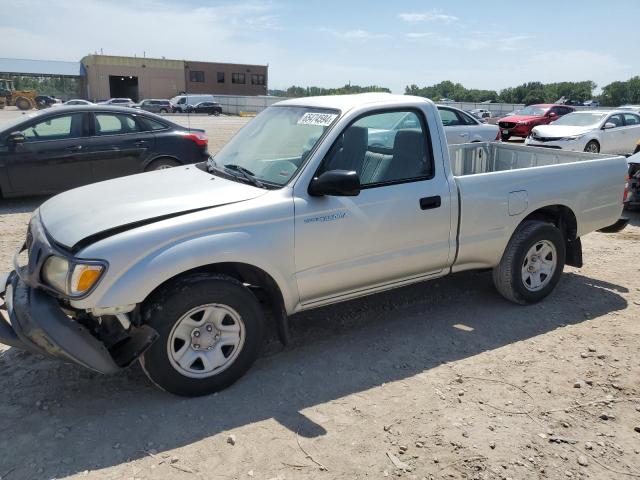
180, 103
593, 131
120, 102
631, 198
177, 267
66, 147
460, 127
633, 108
154, 105
212, 108
44, 101
520, 125
73, 102
481, 113
591, 103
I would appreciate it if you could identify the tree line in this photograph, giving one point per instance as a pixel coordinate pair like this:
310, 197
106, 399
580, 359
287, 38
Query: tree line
614, 94
295, 91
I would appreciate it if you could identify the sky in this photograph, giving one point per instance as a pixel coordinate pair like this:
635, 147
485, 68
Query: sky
487, 44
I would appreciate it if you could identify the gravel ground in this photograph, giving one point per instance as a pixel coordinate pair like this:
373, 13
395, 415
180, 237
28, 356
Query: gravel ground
438, 380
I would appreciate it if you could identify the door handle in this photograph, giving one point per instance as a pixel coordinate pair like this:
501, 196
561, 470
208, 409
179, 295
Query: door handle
464, 134
428, 203
140, 143
75, 148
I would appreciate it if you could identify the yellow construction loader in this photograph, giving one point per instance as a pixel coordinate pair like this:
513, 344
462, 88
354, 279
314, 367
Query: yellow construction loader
9, 96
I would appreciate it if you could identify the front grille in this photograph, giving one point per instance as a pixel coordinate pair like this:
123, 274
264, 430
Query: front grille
544, 139
507, 124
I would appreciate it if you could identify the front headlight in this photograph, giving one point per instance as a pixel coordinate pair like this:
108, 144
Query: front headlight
574, 137
72, 279
55, 273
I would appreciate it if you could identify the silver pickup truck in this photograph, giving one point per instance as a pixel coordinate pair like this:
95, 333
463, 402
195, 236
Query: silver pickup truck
302, 208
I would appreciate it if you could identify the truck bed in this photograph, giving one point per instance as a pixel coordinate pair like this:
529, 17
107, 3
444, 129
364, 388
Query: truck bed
499, 185
475, 158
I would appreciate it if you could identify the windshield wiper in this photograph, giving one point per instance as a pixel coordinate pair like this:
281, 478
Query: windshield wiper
246, 174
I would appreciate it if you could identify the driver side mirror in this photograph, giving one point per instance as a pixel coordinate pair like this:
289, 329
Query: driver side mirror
552, 114
609, 125
339, 183
16, 137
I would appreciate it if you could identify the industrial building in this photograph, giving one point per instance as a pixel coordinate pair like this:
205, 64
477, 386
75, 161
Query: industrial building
99, 77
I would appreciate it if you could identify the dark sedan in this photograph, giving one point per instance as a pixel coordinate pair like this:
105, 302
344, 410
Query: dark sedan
66, 147
212, 108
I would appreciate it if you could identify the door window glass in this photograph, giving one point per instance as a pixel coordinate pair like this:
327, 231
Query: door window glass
58, 128
113, 124
383, 148
449, 117
631, 119
616, 120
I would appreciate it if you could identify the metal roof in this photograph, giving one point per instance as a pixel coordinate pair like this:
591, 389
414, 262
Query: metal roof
22, 66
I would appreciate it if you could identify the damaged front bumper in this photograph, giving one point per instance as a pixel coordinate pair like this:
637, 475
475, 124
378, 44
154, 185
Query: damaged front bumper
33, 320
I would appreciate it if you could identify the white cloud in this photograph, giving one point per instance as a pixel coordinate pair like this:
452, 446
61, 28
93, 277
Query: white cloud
418, 35
432, 16
357, 35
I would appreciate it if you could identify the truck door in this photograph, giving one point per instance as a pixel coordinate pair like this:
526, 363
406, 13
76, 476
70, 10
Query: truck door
396, 229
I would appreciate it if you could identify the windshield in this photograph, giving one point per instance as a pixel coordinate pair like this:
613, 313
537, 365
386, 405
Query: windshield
580, 119
533, 110
273, 146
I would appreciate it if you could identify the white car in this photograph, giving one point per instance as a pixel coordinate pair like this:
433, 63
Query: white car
75, 101
459, 127
593, 131
633, 108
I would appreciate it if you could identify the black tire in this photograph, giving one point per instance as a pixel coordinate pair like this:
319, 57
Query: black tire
507, 276
505, 137
171, 302
216, 114
592, 147
164, 110
161, 164
23, 103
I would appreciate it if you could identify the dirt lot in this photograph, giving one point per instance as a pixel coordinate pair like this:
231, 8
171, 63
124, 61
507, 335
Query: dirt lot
438, 380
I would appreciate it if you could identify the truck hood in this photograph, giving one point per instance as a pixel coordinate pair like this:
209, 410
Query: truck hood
128, 202
560, 131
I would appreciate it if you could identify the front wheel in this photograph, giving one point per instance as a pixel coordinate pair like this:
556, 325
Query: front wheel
210, 331
532, 263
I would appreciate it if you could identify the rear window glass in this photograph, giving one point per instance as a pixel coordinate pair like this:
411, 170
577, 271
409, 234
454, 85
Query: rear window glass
110, 124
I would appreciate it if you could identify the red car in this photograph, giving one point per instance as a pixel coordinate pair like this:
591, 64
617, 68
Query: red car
520, 124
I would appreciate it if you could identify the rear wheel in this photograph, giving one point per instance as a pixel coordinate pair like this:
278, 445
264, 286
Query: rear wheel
161, 164
163, 110
592, 147
532, 263
210, 332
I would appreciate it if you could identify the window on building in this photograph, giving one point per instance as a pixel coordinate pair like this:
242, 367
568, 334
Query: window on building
237, 78
257, 79
220, 77
196, 76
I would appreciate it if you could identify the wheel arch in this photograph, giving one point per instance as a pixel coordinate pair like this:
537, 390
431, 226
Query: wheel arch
260, 282
160, 156
565, 220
